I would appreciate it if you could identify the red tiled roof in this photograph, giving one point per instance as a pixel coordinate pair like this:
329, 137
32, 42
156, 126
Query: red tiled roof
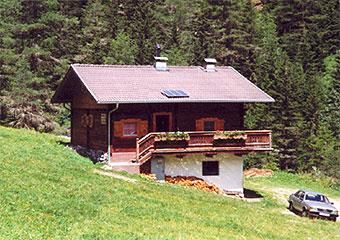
143, 84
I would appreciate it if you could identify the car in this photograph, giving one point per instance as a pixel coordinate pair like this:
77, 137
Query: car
312, 204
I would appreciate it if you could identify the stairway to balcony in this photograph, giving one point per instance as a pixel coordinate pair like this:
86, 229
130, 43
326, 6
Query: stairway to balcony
124, 161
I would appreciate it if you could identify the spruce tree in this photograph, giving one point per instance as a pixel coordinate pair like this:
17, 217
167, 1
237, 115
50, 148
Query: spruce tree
122, 50
233, 23
94, 34
282, 79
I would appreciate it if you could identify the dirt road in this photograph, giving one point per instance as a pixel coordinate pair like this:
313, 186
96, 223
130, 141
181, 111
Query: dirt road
282, 194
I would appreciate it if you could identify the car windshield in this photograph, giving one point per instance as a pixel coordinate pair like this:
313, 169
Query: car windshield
316, 197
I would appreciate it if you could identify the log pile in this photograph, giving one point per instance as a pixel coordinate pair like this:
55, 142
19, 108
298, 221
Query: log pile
194, 182
256, 172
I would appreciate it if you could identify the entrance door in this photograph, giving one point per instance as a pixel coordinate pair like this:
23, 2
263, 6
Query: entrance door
158, 167
162, 122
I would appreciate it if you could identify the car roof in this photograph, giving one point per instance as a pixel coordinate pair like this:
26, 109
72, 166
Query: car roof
311, 192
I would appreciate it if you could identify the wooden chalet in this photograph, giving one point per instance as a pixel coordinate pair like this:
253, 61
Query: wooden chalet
178, 120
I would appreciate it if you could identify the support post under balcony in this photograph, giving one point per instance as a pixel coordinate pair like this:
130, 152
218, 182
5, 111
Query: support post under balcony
137, 150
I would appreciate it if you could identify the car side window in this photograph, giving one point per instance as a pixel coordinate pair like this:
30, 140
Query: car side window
301, 195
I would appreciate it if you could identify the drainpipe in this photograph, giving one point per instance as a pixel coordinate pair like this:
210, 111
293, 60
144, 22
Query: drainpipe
109, 132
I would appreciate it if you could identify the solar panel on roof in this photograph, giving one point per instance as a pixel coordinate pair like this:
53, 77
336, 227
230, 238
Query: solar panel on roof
171, 93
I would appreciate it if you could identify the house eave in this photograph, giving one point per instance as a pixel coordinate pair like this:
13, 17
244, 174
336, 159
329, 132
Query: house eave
187, 101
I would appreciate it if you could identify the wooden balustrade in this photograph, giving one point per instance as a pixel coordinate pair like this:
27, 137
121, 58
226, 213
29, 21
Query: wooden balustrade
255, 140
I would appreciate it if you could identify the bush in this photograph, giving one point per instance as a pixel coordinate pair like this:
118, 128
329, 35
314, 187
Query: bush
261, 160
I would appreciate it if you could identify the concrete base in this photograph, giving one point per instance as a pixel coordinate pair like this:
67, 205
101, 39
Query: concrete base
230, 177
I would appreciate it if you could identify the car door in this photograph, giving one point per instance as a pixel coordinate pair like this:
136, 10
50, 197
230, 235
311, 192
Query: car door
294, 199
299, 201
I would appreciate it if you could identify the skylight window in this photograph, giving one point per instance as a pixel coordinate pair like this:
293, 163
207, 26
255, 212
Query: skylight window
171, 93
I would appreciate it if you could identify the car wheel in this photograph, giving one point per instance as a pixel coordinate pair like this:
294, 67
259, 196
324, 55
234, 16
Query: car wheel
304, 213
290, 207
332, 219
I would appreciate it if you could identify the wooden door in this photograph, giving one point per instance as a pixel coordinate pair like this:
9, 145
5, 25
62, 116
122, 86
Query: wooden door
162, 122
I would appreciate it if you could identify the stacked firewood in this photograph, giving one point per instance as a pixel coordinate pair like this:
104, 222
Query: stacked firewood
256, 172
194, 182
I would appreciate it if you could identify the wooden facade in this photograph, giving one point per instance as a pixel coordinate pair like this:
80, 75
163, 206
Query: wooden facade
89, 120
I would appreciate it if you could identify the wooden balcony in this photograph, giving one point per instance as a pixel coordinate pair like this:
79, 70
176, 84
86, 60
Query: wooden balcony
204, 142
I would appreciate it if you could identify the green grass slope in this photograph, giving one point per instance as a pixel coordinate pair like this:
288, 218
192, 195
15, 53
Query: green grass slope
49, 192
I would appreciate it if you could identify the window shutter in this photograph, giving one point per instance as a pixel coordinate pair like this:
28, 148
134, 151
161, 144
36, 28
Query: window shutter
142, 128
199, 125
118, 129
219, 125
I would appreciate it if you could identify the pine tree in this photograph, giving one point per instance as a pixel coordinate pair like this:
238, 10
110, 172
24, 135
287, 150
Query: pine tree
331, 82
203, 44
141, 27
94, 34
122, 51
282, 79
233, 32
320, 151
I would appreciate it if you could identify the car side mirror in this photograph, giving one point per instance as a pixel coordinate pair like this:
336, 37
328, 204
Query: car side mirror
332, 203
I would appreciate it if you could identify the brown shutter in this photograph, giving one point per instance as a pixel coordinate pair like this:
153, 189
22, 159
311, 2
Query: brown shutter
199, 125
118, 129
219, 125
142, 127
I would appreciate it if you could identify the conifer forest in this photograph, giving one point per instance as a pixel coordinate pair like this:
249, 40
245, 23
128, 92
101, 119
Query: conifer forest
289, 48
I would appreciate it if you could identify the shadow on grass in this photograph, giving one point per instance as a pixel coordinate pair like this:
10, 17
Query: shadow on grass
248, 193
94, 155
66, 144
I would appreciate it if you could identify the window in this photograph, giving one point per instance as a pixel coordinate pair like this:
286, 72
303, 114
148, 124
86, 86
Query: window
130, 129
210, 168
301, 195
103, 119
209, 125
316, 197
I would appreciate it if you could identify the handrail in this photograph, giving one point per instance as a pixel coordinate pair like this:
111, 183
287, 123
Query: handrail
256, 140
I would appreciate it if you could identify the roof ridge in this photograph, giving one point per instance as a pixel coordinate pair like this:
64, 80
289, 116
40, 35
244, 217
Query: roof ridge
139, 66
108, 65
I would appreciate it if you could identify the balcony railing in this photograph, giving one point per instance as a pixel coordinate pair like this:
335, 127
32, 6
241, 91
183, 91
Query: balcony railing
196, 142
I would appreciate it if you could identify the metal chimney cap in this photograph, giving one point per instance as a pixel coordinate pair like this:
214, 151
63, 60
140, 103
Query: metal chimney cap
210, 60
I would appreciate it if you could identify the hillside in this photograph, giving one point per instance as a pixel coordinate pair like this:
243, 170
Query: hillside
49, 192
290, 49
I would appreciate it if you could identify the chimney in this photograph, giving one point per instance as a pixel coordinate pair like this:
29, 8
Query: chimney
160, 62
210, 64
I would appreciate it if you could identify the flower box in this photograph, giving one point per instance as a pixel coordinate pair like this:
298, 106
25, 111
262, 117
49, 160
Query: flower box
229, 142
171, 144
172, 136
230, 138
230, 135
